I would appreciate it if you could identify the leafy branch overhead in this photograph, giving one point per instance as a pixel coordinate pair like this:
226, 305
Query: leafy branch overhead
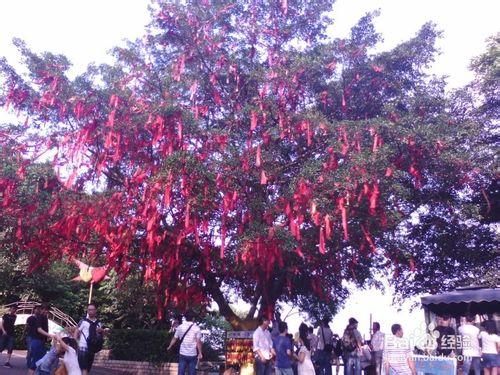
235, 150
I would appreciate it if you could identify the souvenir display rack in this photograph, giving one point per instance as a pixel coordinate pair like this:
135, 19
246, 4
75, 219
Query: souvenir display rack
239, 349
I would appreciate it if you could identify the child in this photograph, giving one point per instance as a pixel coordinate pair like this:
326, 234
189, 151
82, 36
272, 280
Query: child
50, 361
69, 346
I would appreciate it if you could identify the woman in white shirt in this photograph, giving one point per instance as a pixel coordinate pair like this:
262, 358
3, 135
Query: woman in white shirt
490, 343
68, 346
305, 365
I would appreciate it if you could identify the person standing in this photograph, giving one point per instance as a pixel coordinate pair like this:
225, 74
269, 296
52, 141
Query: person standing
40, 336
352, 343
337, 352
275, 324
7, 333
445, 336
490, 343
397, 353
282, 349
190, 351
377, 348
313, 340
303, 357
471, 350
262, 346
30, 331
88, 328
325, 348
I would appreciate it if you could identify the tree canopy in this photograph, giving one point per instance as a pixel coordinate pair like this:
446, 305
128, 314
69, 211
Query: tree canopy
237, 151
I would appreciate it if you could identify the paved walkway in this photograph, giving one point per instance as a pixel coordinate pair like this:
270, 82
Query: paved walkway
18, 362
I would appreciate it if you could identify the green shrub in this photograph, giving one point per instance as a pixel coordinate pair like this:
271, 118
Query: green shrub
19, 338
147, 345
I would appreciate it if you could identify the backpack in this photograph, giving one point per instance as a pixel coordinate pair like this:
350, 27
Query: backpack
95, 341
337, 345
349, 342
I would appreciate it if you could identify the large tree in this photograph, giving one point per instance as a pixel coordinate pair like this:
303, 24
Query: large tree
236, 151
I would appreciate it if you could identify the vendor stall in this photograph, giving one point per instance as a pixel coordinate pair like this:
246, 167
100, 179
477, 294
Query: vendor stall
444, 313
239, 351
463, 302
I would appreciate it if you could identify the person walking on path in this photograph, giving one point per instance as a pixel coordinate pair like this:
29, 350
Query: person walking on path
282, 349
30, 332
90, 331
7, 333
377, 348
40, 336
471, 350
189, 335
398, 354
262, 346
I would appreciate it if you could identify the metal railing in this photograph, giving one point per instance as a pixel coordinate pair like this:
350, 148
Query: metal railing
56, 315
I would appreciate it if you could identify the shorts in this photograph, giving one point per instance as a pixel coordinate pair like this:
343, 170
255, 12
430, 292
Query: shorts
85, 359
490, 360
7, 342
283, 371
37, 351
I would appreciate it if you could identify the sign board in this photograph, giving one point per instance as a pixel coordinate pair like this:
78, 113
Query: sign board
239, 334
427, 364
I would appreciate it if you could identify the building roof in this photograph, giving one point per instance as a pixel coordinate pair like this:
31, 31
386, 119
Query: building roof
466, 295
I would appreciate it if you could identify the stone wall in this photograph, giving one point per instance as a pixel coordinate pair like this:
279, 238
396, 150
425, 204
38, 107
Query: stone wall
146, 368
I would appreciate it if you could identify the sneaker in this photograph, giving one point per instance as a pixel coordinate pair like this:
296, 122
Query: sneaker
7, 364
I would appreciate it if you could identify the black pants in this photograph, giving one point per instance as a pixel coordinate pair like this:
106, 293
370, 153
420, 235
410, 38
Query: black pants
85, 359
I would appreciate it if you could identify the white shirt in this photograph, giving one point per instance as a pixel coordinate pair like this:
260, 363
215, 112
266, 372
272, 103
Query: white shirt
489, 342
326, 339
470, 341
262, 341
378, 341
188, 345
84, 328
396, 353
306, 367
71, 362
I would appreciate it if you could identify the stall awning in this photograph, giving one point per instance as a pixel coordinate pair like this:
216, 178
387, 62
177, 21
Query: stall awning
464, 301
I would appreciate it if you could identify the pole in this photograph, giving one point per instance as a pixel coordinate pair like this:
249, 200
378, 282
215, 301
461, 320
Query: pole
371, 325
90, 292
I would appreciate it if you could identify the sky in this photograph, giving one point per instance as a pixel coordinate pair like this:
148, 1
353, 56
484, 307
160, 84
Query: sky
84, 30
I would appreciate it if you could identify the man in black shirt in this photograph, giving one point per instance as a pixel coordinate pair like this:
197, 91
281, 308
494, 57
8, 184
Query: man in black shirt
41, 334
445, 336
30, 332
7, 333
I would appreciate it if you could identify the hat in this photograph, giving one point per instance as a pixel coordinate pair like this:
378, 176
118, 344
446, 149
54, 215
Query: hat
353, 321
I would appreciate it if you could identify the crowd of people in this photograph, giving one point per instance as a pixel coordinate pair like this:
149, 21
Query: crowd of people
479, 347
311, 353
72, 351
308, 352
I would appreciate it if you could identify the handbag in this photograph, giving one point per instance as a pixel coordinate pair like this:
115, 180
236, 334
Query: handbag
177, 346
61, 370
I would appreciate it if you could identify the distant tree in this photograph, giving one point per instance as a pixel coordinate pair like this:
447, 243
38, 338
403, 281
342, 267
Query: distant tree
456, 242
